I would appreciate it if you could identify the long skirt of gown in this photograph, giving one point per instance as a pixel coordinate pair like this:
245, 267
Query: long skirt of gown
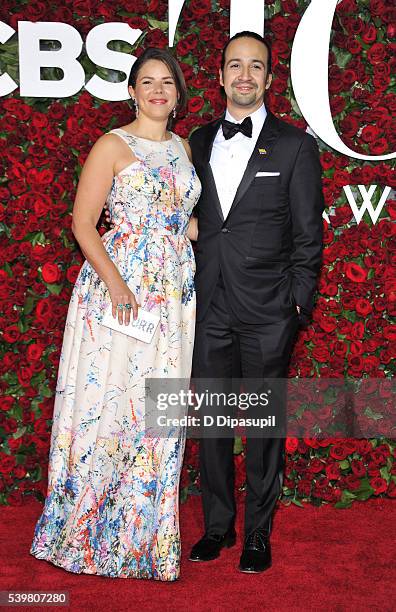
112, 501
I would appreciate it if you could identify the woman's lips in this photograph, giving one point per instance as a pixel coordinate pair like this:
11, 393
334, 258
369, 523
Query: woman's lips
159, 101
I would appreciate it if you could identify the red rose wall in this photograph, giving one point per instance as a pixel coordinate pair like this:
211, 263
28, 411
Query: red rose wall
43, 144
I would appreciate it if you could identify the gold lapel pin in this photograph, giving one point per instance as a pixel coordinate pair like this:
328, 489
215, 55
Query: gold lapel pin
262, 151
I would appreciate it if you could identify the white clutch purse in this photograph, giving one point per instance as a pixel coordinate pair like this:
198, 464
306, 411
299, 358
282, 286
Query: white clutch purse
143, 328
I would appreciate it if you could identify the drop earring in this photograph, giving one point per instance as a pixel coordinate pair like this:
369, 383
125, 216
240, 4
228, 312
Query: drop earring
136, 107
174, 113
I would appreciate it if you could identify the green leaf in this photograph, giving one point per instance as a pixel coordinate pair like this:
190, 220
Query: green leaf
342, 57
297, 502
7, 268
44, 390
238, 446
344, 465
37, 238
373, 415
350, 315
343, 504
161, 25
385, 474
364, 495
29, 304
22, 325
55, 289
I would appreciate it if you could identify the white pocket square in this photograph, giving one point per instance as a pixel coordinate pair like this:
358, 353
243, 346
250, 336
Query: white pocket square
268, 174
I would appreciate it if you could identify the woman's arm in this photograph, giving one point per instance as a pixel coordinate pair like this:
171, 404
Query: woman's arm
93, 188
192, 230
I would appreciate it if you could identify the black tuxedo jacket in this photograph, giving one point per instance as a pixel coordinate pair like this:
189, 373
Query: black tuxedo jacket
269, 247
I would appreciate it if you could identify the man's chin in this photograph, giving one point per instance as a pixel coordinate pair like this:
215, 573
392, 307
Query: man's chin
244, 100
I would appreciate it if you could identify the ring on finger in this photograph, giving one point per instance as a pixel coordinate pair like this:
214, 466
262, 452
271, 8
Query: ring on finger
120, 306
128, 306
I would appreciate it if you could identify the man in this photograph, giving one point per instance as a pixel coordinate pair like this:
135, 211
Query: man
258, 256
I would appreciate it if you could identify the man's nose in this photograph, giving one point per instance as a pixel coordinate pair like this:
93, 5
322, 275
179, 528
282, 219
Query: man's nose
245, 73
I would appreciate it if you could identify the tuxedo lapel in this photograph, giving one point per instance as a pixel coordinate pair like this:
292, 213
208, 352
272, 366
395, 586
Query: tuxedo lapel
207, 170
265, 142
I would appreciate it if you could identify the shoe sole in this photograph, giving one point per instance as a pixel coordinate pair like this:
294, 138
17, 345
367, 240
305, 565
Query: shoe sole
229, 544
247, 571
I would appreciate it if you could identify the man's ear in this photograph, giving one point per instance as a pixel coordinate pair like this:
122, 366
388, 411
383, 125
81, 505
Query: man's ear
221, 77
269, 81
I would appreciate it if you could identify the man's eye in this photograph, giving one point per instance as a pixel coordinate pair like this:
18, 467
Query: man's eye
258, 66
234, 65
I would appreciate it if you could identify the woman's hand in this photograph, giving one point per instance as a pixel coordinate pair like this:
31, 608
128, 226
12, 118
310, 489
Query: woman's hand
192, 230
121, 294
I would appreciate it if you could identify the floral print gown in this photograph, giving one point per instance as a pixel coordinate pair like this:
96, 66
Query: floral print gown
112, 499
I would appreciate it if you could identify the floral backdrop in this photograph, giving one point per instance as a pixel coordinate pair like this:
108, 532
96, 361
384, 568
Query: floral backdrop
43, 144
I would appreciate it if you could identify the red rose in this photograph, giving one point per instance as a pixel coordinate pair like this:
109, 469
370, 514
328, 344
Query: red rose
34, 351
358, 467
353, 45
50, 273
339, 452
200, 7
304, 488
392, 489
11, 334
19, 471
376, 53
6, 402
278, 25
379, 147
351, 482
355, 272
370, 34
316, 465
333, 471
195, 104
72, 273
370, 133
379, 485
7, 463
363, 307
44, 310
389, 332
321, 354
291, 445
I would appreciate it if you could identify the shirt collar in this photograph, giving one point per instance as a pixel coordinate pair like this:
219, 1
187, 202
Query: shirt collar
258, 118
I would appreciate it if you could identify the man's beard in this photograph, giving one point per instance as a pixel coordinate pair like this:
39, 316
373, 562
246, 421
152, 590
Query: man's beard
244, 99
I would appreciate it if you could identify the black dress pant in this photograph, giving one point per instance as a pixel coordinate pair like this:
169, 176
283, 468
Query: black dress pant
226, 348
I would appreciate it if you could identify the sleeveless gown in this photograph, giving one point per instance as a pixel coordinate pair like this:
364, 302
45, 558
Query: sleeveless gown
112, 500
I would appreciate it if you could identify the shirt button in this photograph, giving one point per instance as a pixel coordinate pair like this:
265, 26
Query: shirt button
225, 230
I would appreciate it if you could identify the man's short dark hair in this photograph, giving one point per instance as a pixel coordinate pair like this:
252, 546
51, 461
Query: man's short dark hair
248, 34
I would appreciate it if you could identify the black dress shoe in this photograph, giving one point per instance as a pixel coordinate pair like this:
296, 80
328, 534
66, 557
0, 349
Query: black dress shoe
209, 546
256, 554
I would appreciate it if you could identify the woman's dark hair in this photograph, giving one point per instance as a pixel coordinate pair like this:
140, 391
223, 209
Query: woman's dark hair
248, 34
152, 53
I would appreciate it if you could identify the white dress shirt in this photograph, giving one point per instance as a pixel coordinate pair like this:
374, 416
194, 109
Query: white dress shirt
229, 158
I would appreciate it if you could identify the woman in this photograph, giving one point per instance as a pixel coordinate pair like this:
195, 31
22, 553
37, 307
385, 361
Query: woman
112, 500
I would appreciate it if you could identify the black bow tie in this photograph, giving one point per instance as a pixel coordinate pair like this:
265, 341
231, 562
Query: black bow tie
230, 128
